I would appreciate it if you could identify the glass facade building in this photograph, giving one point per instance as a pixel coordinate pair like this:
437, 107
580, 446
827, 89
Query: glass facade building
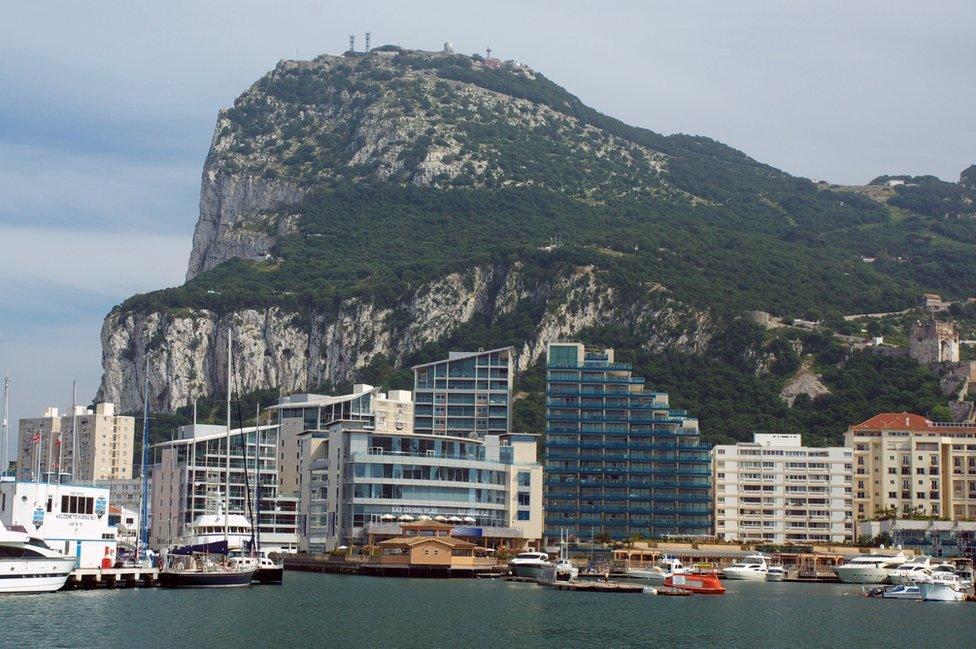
469, 394
618, 460
358, 477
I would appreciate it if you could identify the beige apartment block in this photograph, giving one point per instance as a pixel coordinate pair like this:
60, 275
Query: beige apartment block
37, 445
105, 443
906, 463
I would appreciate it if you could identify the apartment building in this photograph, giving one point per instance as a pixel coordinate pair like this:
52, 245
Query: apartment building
296, 413
361, 483
619, 461
467, 394
104, 439
904, 464
38, 445
189, 479
776, 490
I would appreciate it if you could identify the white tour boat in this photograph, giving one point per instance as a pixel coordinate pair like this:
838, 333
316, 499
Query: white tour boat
28, 565
753, 567
869, 568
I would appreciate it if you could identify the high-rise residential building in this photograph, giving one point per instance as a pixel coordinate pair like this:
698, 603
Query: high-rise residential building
105, 443
619, 461
189, 477
361, 482
775, 489
906, 464
468, 394
297, 413
37, 445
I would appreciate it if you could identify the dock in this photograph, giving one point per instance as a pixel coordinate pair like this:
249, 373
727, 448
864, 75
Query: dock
597, 587
89, 578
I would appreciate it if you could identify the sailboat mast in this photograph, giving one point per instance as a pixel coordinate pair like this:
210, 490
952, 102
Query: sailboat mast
144, 472
74, 429
4, 462
256, 541
227, 448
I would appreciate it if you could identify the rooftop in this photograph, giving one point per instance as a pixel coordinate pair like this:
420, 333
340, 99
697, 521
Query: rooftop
457, 356
906, 421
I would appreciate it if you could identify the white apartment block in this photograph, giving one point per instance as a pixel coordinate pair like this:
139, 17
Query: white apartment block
776, 490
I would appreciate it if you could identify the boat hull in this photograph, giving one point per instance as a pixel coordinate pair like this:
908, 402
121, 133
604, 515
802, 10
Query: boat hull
940, 593
903, 592
699, 584
35, 575
269, 575
527, 570
861, 575
744, 575
215, 579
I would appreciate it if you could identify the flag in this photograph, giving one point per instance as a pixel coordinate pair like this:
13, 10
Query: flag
36, 438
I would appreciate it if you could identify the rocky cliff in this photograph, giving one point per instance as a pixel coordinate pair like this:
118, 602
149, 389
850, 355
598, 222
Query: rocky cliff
277, 348
364, 207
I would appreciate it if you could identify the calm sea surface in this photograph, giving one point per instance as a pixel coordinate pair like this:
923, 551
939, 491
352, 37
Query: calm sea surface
344, 611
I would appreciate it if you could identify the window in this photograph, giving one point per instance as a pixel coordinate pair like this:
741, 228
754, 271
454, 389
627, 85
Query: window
523, 515
524, 478
77, 505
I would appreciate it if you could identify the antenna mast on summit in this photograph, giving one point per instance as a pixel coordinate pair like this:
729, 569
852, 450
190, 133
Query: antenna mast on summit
488, 52
352, 42
367, 42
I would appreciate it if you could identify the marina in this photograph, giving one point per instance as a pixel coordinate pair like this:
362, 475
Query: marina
352, 611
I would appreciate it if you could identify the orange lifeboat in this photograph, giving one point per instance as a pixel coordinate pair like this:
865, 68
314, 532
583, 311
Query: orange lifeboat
704, 584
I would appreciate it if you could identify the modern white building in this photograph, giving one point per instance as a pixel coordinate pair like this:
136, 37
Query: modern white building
189, 480
359, 482
774, 489
71, 519
297, 413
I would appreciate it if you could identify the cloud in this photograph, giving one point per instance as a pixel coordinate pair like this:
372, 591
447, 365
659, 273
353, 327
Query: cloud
108, 264
47, 187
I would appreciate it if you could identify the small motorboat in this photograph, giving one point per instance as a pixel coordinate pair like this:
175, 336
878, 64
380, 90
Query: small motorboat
776, 573
902, 591
702, 584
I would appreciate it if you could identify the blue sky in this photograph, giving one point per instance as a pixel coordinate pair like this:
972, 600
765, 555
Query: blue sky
108, 109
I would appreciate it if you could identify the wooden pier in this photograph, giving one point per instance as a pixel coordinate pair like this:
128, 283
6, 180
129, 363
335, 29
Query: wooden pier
89, 578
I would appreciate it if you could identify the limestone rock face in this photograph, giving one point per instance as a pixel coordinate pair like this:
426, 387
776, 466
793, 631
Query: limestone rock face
272, 348
236, 217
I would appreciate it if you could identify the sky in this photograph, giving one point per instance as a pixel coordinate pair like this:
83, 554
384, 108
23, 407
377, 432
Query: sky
108, 108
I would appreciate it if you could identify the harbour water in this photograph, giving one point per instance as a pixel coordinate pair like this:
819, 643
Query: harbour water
346, 611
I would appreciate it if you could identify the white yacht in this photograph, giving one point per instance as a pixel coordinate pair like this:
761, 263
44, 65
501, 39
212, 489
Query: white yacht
28, 565
951, 572
910, 572
753, 567
941, 590
529, 564
209, 528
869, 568
665, 567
